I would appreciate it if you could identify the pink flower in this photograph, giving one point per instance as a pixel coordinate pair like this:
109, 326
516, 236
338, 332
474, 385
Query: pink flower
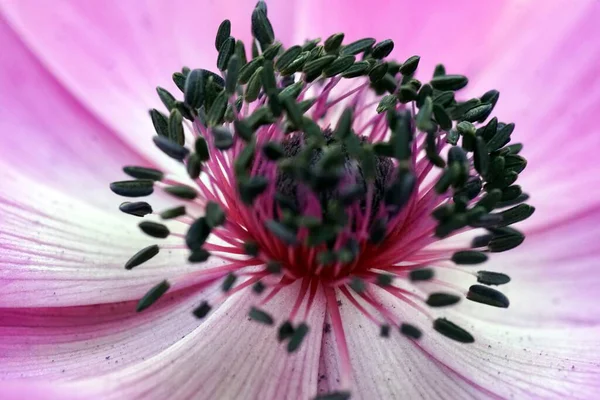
76, 81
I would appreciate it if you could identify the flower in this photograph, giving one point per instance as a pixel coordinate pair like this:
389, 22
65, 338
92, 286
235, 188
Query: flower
68, 305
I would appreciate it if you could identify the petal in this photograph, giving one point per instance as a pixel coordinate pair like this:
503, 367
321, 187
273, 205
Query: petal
228, 356
64, 343
110, 55
59, 251
21, 390
48, 135
504, 361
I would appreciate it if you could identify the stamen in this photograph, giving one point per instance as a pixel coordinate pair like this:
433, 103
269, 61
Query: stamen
345, 185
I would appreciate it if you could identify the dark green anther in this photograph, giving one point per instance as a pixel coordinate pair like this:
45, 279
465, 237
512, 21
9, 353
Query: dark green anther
384, 331
311, 44
243, 130
142, 256
243, 162
249, 69
491, 97
378, 72
226, 50
199, 256
223, 139
222, 33
357, 47
410, 65
515, 163
138, 209
501, 137
249, 189
260, 316
425, 91
344, 125
202, 310
399, 192
293, 111
492, 278
377, 231
383, 49
384, 279
215, 216
292, 91
458, 111
489, 130
228, 282
160, 122
442, 117
176, 128
171, 148
315, 67
454, 223
251, 248
452, 137
387, 103
443, 212
469, 257
481, 241
233, 70
422, 274
182, 191
505, 242
424, 115
258, 287
154, 229
449, 82
185, 110
272, 51
167, 98
481, 158
358, 285
179, 80
173, 212
452, 331
217, 110
297, 64
254, 86
274, 267
511, 193
273, 151
240, 51
410, 331
490, 199
320, 235
262, 29
442, 299
194, 166
143, 173
201, 148
297, 337
476, 113
288, 57
152, 296
487, 295
357, 69
333, 42
516, 214
406, 94
194, 88
138, 188
513, 149
268, 78
439, 70
285, 331
448, 177
340, 65
444, 98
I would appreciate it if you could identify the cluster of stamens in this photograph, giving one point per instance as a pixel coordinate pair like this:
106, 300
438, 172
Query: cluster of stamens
327, 164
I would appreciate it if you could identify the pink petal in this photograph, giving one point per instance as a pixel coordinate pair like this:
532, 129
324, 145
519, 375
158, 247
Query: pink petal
48, 135
504, 361
58, 251
110, 55
88, 341
226, 357
21, 390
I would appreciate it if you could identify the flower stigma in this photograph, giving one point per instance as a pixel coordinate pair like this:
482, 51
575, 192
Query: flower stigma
330, 166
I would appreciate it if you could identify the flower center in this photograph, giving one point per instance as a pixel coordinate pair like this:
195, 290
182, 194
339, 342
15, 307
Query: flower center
310, 165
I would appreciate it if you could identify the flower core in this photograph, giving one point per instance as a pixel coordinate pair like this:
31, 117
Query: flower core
329, 165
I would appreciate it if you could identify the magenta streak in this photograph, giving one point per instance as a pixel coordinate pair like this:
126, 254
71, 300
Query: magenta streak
369, 298
347, 94
340, 337
314, 285
401, 294
358, 306
299, 298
